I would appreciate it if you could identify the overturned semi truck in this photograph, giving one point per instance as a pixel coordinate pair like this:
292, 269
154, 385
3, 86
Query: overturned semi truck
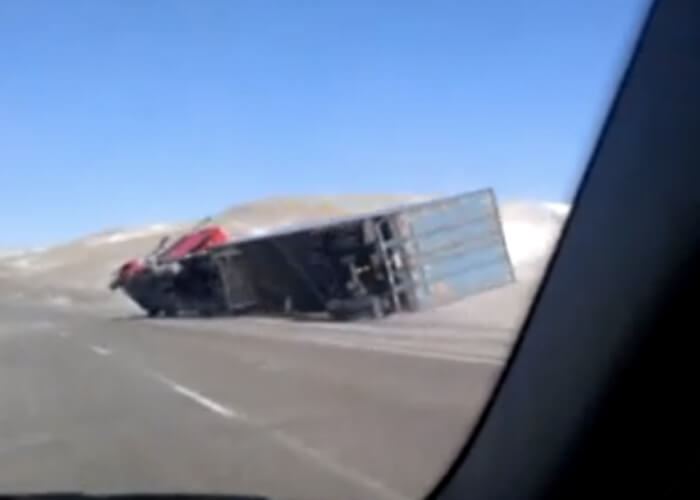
405, 258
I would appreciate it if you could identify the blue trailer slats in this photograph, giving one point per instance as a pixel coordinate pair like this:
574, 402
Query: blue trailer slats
454, 247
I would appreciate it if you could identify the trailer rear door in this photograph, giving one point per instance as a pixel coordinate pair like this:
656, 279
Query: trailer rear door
453, 247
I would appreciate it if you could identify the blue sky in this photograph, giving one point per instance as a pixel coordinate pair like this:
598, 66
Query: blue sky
122, 113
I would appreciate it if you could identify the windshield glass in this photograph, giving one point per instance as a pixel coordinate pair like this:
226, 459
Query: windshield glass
385, 183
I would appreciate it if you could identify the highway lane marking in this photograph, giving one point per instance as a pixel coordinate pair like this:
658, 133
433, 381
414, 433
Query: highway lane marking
405, 346
102, 351
63, 334
199, 398
400, 330
204, 401
318, 457
324, 460
382, 346
375, 345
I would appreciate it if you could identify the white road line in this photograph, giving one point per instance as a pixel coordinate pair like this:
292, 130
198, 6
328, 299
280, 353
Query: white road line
205, 401
200, 399
383, 346
324, 460
319, 458
394, 330
378, 345
102, 351
63, 334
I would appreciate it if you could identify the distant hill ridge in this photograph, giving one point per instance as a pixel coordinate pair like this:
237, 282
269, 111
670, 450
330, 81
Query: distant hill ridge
86, 263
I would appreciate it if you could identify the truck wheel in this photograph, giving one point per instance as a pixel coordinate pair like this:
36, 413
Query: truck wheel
152, 313
170, 312
288, 306
206, 312
368, 306
376, 308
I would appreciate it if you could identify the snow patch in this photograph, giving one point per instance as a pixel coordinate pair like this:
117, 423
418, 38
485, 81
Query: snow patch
561, 209
527, 241
120, 236
8, 254
22, 263
532, 230
29, 263
258, 231
4, 254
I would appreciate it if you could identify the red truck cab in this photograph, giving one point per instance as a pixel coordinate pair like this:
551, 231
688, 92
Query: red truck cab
195, 241
202, 239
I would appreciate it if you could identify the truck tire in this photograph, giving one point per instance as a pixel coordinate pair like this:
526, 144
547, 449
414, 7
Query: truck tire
170, 312
377, 308
368, 306
206, 312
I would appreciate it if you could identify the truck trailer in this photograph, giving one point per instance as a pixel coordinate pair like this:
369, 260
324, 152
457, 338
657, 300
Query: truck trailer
404, 258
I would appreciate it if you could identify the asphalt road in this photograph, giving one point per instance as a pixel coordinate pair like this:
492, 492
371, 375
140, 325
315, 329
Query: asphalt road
100, 403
